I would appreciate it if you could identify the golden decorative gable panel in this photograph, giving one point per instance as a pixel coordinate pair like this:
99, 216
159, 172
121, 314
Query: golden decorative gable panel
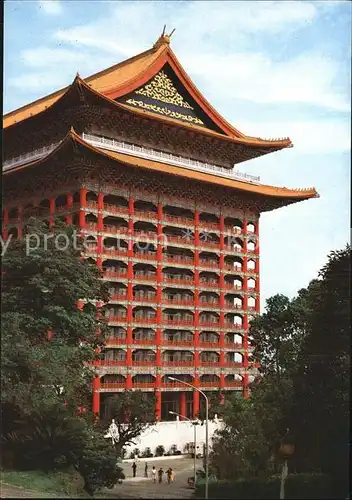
162, 89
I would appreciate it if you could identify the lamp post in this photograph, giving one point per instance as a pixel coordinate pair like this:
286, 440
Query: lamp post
287, 449
206, 431
195, 423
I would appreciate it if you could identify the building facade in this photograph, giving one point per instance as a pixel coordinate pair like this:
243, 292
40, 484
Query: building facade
140, 162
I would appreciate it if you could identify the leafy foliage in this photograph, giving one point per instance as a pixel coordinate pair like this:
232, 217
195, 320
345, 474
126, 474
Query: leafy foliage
133, 412
45, 380
303, 347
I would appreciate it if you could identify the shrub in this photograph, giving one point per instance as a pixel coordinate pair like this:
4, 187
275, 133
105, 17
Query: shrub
159, 450
147, 453
98, 465
298, 486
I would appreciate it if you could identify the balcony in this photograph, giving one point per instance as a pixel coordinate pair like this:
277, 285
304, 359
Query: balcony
181, 221
174, 385
206, 385
188, 261
178, 322
113, 252
179, 302
208, 284
143, 362
114, 274
179, 240
142, 256
145, 320
115, 209
232, 326
145, 298
114, 362
140, 214
210, 324
177, 343
115, 230
178, 281
112, 385
180, 362
209, 363
209, 225
233, 383
118, 296
116, 319
144, 277
145, 341
205, 343
209, 264
209, 305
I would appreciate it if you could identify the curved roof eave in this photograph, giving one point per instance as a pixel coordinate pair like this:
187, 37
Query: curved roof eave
142, 67
258, 189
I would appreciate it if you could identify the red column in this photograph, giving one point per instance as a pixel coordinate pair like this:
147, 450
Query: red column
96, 395
100, 201
129, 335
82, 204
196, 225
196, 397
183, 406
158, 357
51, 211
129, 356
158, 405
69, 198
129, 383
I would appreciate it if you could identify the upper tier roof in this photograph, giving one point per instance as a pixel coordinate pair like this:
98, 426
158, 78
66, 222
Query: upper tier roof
277, 195
121, 80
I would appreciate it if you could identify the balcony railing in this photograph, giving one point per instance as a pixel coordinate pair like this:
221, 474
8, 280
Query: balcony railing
171, 159
209, 363
180, 362
205, 343
181, 322
178, 343
147, 321
182, 221
115, 209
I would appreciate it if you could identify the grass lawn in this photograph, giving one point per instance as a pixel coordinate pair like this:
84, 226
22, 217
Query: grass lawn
64, 482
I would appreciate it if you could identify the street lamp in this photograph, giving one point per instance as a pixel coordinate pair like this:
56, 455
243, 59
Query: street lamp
195, 423
287, 449
206, 431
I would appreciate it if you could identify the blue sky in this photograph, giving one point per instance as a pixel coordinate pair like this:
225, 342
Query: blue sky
272, 69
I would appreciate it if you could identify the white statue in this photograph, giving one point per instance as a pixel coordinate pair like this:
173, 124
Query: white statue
113, 432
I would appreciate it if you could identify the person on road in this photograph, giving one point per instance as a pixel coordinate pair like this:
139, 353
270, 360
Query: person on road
134, 468
146, 470
154, 474
160, 475
170, 475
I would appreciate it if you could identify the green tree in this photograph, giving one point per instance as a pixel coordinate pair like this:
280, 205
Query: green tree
40, 291
320, 416
133, 412
45, 380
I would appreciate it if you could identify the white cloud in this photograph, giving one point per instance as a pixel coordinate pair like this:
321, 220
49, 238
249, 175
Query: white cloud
43, 56
256, 77
50, 7
308, 136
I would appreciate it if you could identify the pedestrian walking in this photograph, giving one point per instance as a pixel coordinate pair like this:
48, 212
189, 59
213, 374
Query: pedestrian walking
172, 475
146, 470
134, 468
154, 474
160, 475
168, 473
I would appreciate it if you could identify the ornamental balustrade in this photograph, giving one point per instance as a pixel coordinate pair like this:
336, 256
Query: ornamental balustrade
169, 158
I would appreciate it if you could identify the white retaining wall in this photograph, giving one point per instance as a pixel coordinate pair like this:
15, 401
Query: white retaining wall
167, 434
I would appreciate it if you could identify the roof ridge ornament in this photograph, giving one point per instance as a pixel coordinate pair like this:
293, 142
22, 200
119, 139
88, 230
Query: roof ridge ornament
163, 39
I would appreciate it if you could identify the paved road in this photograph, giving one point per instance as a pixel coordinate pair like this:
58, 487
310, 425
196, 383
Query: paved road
140, 487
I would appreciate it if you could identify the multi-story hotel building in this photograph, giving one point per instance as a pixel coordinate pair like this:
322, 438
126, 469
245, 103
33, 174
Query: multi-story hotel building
147, 169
